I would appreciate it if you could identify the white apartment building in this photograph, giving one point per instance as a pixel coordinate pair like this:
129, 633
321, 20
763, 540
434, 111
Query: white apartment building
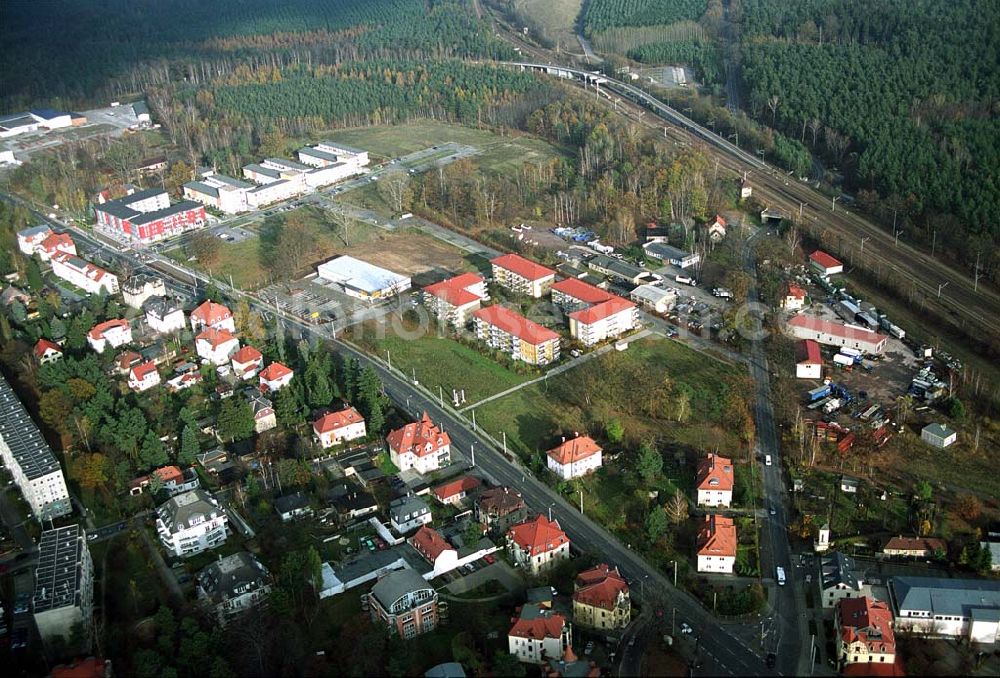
329, 153
522, 276
137, 289
420, 446
539, 635
28, 458
164, 315
607, 320
191, 523
64, 586
226, 194
113, 333
83, 274
30, 238
452, 300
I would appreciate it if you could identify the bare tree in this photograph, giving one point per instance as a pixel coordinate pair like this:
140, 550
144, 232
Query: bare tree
815, 127
677, 508
772, 103
395, 188
342, 222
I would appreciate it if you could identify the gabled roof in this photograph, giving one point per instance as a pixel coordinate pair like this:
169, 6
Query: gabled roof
796, 291
500, 501
457, 486
717, 536
836, 569
925, 544
538, 535
824, 259
515, 324
97, 331
600, 587
247, 354
142, 370
715, 473
538, 625
420, 438
807, 352
275, 371
210, 313
331, 421
585, 292
824, 326
429, 543
44, 346
867, 621
601, 311
291, 502
215, 337
455, 290
55, 241
574, 450
523, 267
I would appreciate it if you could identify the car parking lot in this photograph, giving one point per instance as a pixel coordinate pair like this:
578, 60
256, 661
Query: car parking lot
232, 233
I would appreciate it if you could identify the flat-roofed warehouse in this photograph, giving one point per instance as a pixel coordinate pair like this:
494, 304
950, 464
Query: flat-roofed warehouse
363, 280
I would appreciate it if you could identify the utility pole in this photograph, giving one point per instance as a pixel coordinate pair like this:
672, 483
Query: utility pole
472, 451
896, 237
388, 358
474, 427
675, 574
975, 287
833, 203
863, 244
440, 396
941, 287
934, 243
581, 502
801, 205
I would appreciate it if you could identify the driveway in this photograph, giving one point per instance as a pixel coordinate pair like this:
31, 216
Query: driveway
499, 572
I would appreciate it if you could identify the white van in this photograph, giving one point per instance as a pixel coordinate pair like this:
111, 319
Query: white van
767, 460
781, 576
684, 280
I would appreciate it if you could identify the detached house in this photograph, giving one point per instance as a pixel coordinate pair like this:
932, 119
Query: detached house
420, 446
191, 523
914, 547
47, 351
453, 300
716, 544
716, 229
537, 544
264, 416
275, 377
213, 315
408, 513
499, 508
522, 276
334, 428
809, 360
143, 376
864, 632
139, 288
292, 506
539, 634
216, 346
164, 315
455, 491
601, 599
794, 299
575, 457
113, 333
234, 585
839, 579
715, 481
247, 362
405, 603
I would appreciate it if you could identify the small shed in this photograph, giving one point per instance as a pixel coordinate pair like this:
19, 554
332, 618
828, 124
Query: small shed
938, 435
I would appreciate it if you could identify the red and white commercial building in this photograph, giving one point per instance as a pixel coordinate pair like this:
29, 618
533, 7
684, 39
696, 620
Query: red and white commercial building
715, 481
420, 446
143, 376
147, 216
113, 333
794, 299
575, 457
452, 300
516, 336
573, 294
455, 491
606, 320
247, 362
865, 633
825, 264
334, 428
808, 360
537, 544
216, 346
717, 544
211, 314
522, 276
84, 274
833, 333
275, 377
47, 351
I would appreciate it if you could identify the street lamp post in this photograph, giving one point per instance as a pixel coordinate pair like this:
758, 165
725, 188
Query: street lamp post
863, 240
833, 203
896, 237
941, 287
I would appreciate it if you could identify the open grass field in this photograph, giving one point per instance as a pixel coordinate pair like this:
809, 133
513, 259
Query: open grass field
498, 153
557, 18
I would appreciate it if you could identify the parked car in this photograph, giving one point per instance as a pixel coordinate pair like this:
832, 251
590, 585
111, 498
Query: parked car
489, 559
686, 629
771, 660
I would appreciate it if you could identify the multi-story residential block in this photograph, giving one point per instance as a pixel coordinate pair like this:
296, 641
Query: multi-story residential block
864, 632
30, 238
715, 480
522, 276
137, 289
113, 333
212, 315
537, 544
31, 463
216, 346
716, 544
452, 301
334, 428
500, 508
233, 585
839, 578
143, 376
64, 587
247, 362
190, 523
47, 351
539, 634
147, 216
330, 154
601, 599
405, 603
275, 377
420, 446
575, 457
606, 320
224, 193
408, 513
516, 336
164, 315
55, 243
83, 274
572, 294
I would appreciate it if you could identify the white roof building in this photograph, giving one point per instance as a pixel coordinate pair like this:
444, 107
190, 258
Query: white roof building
363, 280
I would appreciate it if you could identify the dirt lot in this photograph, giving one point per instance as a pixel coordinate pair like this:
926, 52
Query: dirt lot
411, 253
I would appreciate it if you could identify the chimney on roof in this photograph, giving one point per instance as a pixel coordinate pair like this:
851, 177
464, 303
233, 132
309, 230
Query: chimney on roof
564, 438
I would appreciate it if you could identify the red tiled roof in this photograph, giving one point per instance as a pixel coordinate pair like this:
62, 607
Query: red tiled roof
126, 359
591, 315
585, 292
92, 667
824, 259
453, 290
169, 473
457, 486
718, 469
140, 372
429, 543
331, 421
808, 352
867, 621
522, 267
98, 330
838, 329
539, 628
247, 354
515, 324
717, 536
275, 371
215, 337
718, 220
421, 438
599, 587
574, 450
923, 544
44, 345
56, 241
796, 291
210, 313
538, 535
